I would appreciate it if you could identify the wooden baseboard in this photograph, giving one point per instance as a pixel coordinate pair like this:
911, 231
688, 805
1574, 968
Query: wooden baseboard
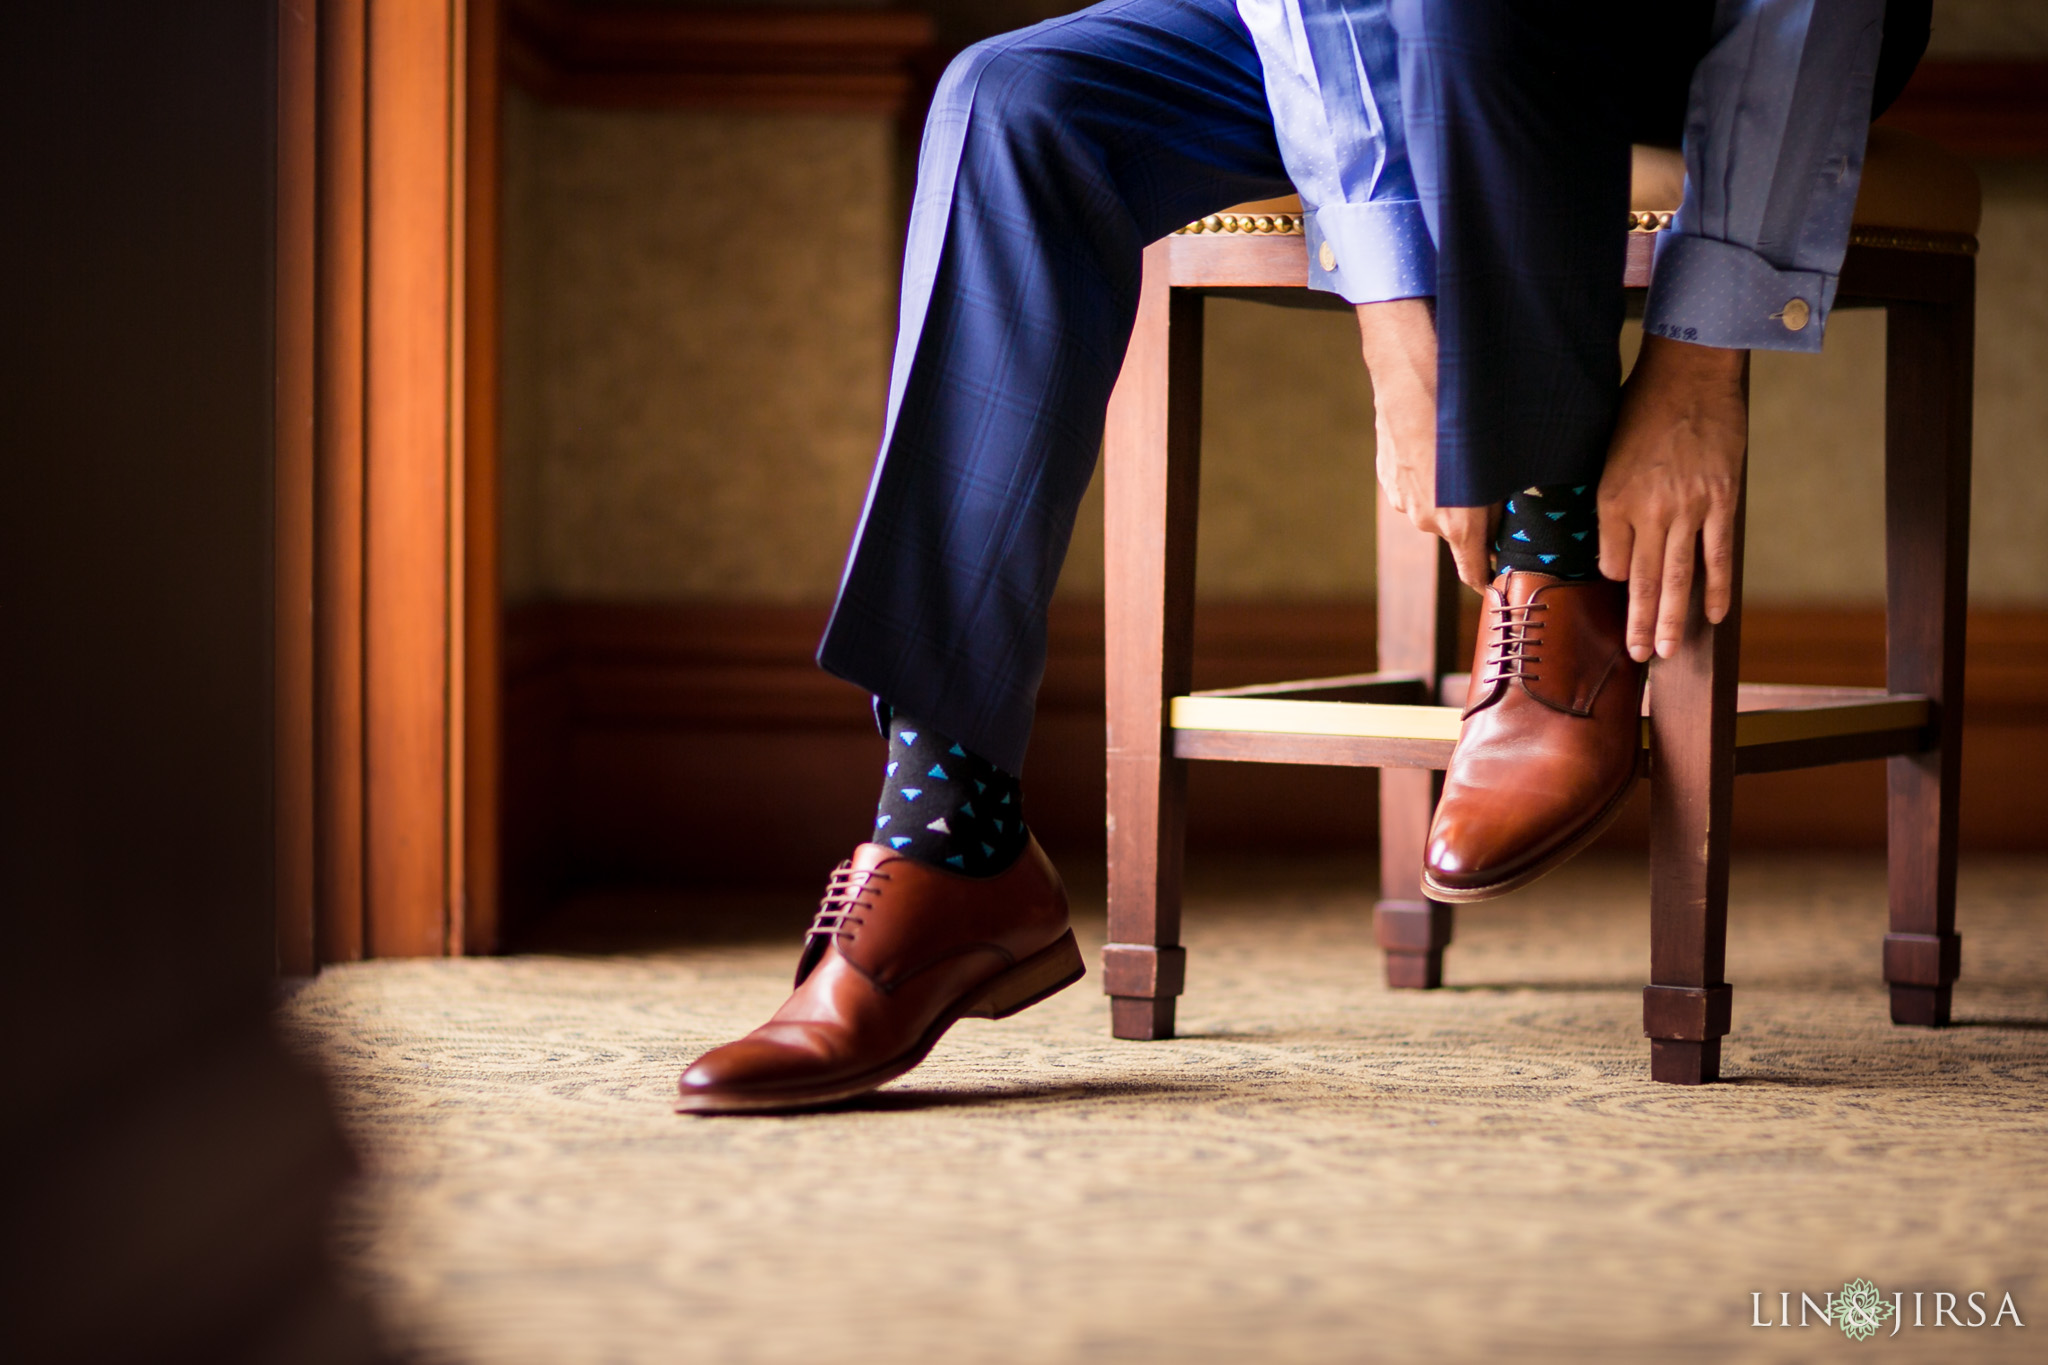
699, 743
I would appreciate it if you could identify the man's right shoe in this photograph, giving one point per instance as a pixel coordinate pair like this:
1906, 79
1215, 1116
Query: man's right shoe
1551, 742
899, 951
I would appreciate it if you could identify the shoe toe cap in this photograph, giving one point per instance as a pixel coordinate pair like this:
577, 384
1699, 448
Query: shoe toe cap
1463, 852
754, 1064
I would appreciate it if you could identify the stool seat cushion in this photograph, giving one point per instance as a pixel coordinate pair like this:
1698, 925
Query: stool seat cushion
1908, 183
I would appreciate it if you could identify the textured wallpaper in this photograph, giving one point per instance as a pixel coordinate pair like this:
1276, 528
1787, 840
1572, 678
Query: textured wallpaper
697, 324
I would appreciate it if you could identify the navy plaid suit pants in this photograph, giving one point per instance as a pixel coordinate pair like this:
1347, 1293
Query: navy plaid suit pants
1052, 156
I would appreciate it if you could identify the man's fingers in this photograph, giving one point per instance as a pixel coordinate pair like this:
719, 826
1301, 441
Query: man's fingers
1676, 598
1466, 531
1617, 544
1717, 539
1645, 578
1468, 552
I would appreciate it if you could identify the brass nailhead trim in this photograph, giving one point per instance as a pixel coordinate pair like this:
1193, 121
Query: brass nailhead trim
1265, 224
1892, 239
1902, 239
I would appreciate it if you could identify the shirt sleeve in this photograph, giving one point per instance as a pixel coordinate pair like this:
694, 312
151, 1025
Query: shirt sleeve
1334, 88
1774, 134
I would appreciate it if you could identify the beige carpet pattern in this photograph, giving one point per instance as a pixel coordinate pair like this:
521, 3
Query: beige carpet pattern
1320, 1171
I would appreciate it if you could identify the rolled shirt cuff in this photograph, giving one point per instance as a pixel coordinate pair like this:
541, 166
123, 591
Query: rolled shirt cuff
1715, 293
1369, 253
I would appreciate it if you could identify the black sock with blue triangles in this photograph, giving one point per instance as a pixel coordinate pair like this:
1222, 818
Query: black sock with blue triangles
1553, 530
945, 806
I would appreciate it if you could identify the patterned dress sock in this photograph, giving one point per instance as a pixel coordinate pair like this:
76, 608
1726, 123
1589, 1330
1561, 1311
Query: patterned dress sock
947, 807
1553, 530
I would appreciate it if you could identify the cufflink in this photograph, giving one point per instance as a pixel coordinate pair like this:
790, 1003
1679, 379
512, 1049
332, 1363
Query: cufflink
1328, 257
1795, 315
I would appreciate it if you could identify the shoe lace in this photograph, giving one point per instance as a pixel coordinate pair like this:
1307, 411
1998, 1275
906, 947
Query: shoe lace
1515, 630
847, 894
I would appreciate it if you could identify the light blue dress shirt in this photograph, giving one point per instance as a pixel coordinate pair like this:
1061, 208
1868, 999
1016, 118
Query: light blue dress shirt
1774, 136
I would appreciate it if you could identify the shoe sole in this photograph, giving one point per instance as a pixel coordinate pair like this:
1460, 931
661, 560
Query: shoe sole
1542, 867
1044, 974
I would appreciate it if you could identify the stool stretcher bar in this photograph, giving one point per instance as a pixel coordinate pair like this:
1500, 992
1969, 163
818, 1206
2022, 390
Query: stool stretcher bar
1777, 727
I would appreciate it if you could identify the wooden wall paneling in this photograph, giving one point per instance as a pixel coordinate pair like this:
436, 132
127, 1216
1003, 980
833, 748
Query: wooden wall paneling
296, 288
619, 720
769, 59
338, 482
538, 724
1987, 109
483, 614
773, 58
412, 464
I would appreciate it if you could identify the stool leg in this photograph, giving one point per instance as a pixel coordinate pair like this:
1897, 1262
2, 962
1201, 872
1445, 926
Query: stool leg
1153, 446
1927, 547
1413, 930
1418, 633
1692, 797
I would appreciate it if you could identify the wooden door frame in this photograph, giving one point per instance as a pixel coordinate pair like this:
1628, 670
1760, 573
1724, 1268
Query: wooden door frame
387, 613
483, 588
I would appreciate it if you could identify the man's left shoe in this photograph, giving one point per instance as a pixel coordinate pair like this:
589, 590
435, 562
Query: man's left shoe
899, 951
1551, 742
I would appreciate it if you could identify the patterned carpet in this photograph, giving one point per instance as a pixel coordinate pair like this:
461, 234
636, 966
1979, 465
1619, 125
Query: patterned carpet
1320, 1171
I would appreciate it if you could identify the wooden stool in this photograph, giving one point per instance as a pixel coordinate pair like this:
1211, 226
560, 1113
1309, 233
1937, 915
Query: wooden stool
1912, 254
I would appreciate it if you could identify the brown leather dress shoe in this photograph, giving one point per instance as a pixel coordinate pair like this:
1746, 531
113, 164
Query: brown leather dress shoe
1551, 741
898, 952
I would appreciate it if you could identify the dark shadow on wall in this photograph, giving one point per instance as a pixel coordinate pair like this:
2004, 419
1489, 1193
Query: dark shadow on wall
166, 1168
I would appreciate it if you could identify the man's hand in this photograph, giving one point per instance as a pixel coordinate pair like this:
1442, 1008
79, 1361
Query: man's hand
1399, 340
1674, 473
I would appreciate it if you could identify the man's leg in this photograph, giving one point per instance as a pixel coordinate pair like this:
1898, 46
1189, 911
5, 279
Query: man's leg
1519, 147
1518, 130
1519, 120
1052, 157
